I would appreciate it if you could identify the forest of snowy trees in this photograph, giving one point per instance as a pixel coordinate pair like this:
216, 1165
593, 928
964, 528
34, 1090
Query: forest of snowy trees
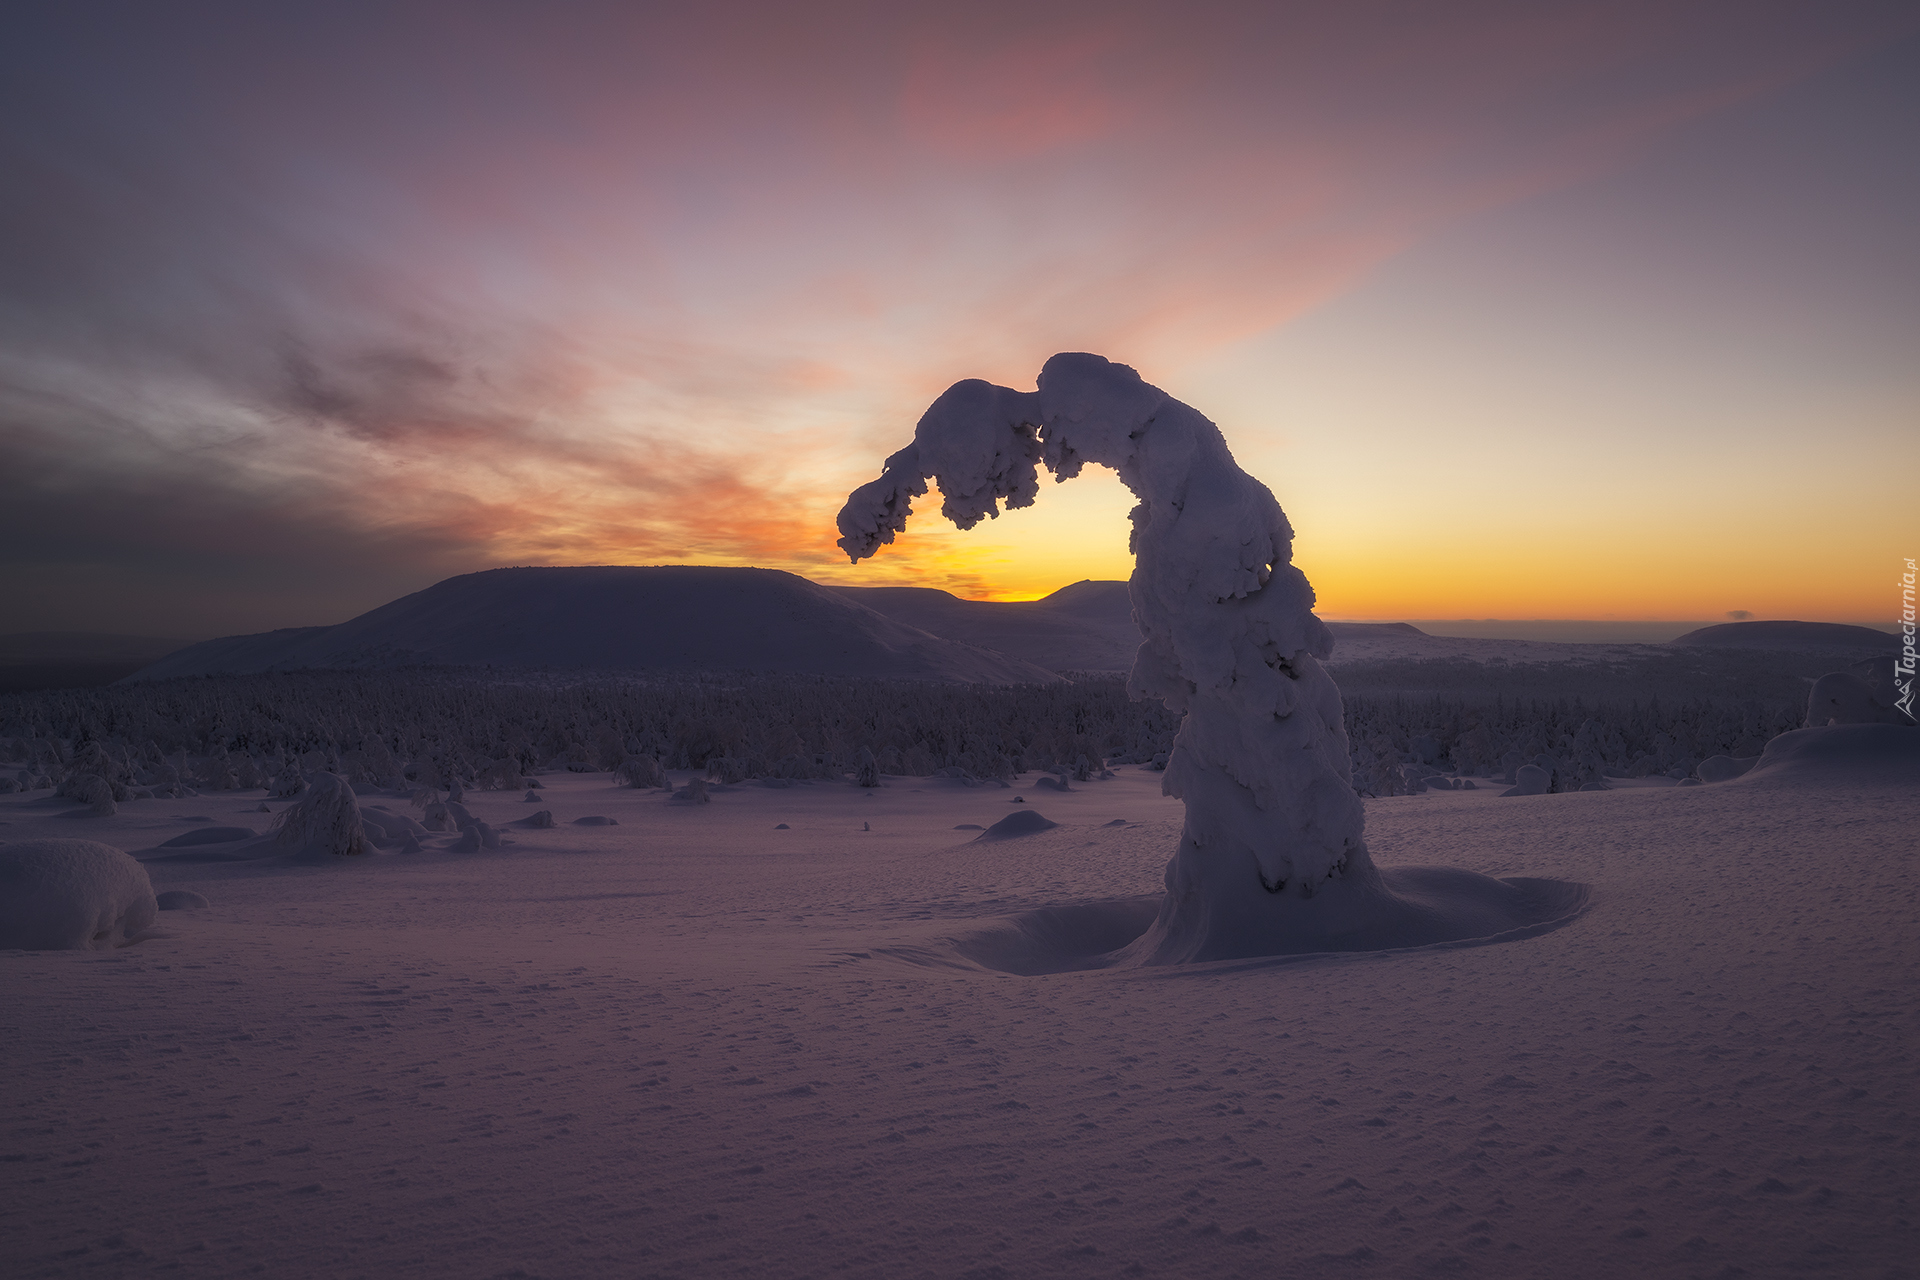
404, 730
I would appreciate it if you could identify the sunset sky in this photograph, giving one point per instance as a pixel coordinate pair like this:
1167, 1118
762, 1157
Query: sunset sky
1523, 310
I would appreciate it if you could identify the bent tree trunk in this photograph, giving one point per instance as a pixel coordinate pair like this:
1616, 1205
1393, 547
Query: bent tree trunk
1271, 859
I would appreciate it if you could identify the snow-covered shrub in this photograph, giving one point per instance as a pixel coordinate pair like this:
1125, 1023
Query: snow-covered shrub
640, 772
288, 782
499, 775
728, 770
71, 895
477, 836
866, 770
92, 790
326, 820
695, 792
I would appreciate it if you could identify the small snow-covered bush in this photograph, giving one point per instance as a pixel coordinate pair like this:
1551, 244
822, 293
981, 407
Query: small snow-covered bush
477, 836
289, 782
71, 895
90, 789
640, 772
728, 770
325, 821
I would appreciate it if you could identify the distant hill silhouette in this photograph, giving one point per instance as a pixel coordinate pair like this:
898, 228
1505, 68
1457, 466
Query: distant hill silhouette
1087, 626
74, 659
616, 617
1372, 630
1787, 635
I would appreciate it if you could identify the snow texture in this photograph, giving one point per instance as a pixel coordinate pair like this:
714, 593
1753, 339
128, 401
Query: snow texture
71, 895
1272, 858
695, 1046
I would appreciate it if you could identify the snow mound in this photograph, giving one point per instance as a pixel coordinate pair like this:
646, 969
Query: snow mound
181, 900
596, 820
1787, 635
1866, 754
617, 618
209, 835
1027, 822
1529, 780
72, 895
1724, 768
1841, 697
386, 829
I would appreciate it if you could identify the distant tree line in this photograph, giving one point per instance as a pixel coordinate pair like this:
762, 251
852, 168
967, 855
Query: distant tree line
436, 727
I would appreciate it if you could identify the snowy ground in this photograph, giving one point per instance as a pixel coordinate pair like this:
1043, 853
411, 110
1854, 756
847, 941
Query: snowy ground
689, 1045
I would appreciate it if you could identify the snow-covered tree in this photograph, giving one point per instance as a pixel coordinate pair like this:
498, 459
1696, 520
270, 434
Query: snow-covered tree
1272, 858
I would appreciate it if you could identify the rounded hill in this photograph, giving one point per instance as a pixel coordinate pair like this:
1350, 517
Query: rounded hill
668, 618
1787, 635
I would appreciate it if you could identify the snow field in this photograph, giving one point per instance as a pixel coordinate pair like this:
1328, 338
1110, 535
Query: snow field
681, 1046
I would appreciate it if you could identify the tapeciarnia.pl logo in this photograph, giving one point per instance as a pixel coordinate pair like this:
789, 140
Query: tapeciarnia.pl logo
1903, 665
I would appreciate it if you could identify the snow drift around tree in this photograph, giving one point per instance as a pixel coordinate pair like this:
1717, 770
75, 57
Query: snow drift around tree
1272, 858
616, 618
72, 895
